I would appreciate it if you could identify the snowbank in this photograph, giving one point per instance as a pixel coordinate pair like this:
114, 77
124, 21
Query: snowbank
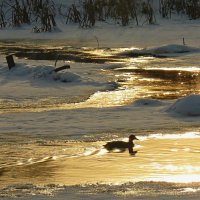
187, 106
44, 72
127, 191
166, 50
38, 80
172, 48
111, 35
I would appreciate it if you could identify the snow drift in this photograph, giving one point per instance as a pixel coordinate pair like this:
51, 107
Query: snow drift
43, 72
187, 106
166, 50
173, 48
39, 81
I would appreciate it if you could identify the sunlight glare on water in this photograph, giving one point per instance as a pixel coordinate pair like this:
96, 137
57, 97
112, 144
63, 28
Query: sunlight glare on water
136, 78
112, 98
159, 158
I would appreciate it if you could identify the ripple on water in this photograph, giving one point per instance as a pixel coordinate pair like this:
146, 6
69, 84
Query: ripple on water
158, 158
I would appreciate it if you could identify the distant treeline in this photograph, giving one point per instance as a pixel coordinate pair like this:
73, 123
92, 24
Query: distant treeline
42, 13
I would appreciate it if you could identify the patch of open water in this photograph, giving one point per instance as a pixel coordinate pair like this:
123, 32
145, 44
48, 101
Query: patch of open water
169, 158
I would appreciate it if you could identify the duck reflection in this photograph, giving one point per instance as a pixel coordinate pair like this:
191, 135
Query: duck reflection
122, 146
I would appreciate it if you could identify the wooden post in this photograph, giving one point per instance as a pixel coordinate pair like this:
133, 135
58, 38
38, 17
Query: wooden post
183, 41
10, 61
61, 68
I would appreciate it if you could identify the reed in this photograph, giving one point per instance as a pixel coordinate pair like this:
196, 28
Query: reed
191, 8
18, 12
87, 12
42, 13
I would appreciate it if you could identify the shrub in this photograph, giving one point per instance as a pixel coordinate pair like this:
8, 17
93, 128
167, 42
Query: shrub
89, 11
189, 7
18, 12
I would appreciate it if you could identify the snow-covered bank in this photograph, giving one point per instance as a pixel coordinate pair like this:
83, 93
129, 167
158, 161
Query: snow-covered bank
166, 50
71, 122
128, 191
111, 34
38, 80
166, 32
188, 106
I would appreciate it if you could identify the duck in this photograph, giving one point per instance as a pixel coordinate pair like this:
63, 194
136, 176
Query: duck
121, 145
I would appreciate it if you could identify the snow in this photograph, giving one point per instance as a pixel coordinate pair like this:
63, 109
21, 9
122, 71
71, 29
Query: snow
172, 48
165, 31
43, 73
166, 50
37, 79
101, 191
188, 106
131, 36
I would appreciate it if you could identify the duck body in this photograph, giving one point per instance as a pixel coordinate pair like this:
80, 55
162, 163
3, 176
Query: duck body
118, 145
121, 145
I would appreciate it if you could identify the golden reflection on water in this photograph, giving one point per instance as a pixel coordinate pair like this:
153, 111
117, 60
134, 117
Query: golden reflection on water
143, 84
97, 100
184, 69
142, 77
170, 159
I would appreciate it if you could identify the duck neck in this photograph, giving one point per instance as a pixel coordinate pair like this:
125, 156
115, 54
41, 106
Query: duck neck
130, 141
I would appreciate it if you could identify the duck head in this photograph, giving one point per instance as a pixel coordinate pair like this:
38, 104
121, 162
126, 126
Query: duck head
132, 137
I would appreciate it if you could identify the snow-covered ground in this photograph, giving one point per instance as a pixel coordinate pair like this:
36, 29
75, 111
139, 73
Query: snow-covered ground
165, 32
53, 125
